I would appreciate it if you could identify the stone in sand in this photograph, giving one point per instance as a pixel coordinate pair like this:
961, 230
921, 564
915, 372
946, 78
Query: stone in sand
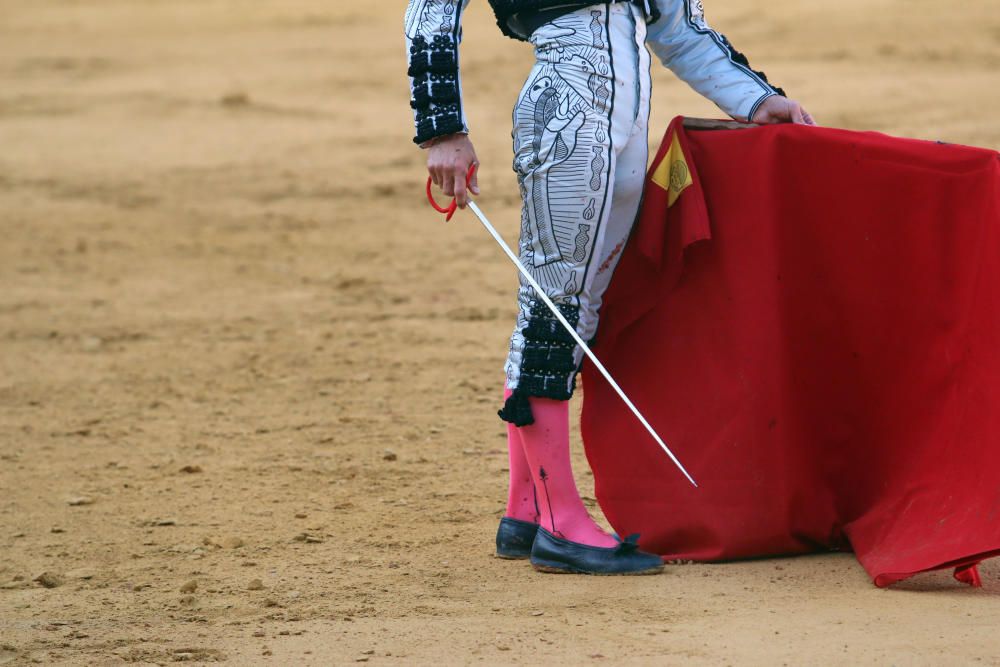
49, 579
231, 543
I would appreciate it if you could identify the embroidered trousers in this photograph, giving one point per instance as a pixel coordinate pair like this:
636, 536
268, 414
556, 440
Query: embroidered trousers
580, 152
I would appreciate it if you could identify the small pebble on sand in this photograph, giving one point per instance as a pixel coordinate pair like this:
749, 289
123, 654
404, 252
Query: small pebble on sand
49, 579
189, 587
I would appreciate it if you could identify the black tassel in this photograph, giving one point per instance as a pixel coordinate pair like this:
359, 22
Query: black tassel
517, 410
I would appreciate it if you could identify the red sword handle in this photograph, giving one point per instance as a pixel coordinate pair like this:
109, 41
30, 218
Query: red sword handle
451, 208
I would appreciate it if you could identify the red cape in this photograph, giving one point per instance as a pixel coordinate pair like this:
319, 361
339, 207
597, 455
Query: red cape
813, 327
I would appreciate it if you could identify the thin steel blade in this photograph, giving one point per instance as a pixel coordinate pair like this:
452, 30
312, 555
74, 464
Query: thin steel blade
579, 341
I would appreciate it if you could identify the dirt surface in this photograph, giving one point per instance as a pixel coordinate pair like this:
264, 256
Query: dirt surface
248, 380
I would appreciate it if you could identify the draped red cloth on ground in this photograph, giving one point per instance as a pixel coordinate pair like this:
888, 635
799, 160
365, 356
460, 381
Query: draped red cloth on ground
813, 327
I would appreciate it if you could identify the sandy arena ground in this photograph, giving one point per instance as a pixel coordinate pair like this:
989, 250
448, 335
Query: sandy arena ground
224, 302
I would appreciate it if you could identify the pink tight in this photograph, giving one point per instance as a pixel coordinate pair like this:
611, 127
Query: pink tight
542, 487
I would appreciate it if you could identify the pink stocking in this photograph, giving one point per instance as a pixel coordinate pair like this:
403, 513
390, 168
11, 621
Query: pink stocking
521, 502
546, 448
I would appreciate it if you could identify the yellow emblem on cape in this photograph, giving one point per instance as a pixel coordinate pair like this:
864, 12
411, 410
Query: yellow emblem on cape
672, 174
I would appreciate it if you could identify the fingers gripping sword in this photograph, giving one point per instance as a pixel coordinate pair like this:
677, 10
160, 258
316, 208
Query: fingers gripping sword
450, 211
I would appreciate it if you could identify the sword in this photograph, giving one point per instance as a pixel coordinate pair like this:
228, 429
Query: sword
450, 211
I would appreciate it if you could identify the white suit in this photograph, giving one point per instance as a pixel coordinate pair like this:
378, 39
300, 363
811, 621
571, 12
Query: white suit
580, 152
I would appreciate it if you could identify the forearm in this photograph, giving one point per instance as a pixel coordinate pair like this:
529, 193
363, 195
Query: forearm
706, 61
433, 31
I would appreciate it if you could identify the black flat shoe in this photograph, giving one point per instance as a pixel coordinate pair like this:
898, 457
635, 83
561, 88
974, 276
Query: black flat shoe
514, 538
554, 554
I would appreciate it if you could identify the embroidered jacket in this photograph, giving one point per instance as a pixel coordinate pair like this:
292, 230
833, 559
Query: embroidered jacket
677, 33
508, 11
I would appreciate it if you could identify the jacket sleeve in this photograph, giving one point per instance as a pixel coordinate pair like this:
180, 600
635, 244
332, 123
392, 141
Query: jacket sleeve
433, 31
706, 60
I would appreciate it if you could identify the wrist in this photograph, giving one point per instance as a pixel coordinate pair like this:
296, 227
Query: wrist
764, 101
444, 137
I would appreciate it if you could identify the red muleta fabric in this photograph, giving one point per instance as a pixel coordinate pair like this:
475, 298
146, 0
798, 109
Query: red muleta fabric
813, 327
